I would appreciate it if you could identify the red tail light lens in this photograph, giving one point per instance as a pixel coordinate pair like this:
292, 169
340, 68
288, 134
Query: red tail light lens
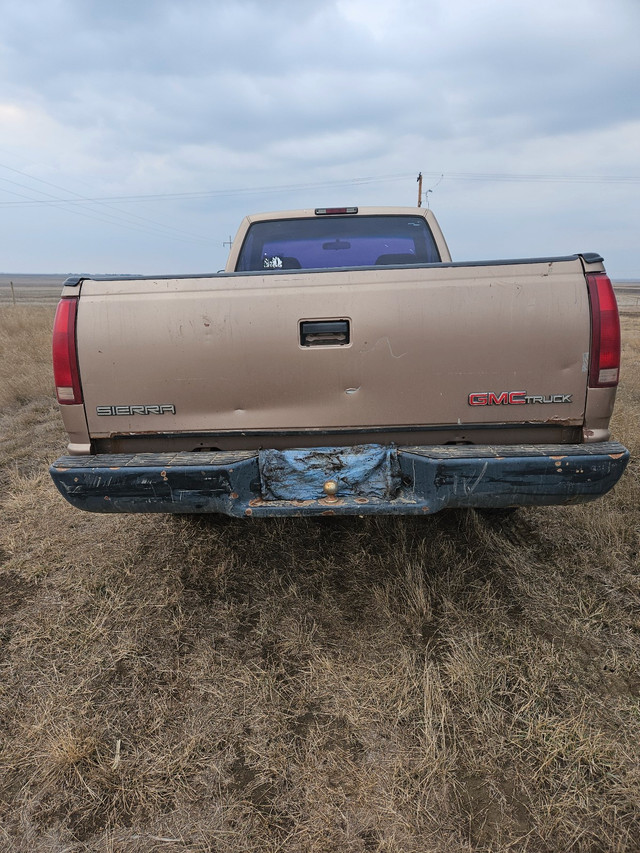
65, 354
605, 332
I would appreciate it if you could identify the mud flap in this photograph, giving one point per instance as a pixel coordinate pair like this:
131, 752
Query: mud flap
368, 470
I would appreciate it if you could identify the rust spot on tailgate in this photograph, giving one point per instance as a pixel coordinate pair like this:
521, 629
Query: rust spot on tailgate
558, 421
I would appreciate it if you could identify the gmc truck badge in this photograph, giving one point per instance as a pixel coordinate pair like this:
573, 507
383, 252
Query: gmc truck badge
514, 398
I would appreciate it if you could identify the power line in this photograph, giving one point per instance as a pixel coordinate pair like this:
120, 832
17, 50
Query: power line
130, 226
168, 231
240, 191
536, 178
213, 193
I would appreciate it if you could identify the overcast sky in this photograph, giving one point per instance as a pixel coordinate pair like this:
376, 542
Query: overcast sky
523, 115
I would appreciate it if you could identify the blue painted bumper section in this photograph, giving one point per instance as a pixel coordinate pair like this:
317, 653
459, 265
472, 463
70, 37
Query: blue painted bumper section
370, 469
371, 479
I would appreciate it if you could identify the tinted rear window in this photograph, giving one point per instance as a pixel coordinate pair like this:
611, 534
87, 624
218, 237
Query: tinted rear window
337, 241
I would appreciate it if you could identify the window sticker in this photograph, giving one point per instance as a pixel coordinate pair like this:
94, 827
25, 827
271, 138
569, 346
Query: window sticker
274, 263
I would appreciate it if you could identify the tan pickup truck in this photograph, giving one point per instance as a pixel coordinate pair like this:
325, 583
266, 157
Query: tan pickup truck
341, 364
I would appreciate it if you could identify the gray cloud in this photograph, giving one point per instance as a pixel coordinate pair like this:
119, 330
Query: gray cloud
161, 96
196, 70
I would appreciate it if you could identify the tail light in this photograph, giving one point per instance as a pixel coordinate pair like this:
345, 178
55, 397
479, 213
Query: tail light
604, 369
65, 353
332, 211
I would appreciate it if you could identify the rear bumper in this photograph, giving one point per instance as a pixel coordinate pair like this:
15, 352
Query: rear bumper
418, 480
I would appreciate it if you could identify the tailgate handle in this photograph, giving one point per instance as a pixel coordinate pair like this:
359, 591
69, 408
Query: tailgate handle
324, 333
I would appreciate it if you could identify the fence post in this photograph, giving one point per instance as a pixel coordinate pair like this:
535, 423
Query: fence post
13, 294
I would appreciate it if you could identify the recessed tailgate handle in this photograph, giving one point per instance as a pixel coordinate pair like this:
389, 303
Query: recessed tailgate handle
324, 333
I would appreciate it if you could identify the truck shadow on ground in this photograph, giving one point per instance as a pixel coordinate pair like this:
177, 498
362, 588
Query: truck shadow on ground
353, 561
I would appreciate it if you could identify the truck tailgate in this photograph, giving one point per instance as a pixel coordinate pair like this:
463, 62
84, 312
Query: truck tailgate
458, 347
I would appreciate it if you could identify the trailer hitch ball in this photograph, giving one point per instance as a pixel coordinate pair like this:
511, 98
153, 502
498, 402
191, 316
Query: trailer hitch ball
330, 489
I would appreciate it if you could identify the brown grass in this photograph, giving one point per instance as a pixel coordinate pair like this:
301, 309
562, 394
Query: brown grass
440, 684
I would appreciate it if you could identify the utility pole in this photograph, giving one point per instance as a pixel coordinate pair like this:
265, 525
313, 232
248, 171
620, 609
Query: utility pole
419, 179
228, 242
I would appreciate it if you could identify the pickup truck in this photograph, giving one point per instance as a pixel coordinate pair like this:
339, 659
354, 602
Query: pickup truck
341, 364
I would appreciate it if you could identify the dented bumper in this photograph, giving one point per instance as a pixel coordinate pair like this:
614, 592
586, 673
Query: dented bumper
369, 479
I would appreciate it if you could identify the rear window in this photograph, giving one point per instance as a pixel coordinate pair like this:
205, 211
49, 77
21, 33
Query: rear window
337, 241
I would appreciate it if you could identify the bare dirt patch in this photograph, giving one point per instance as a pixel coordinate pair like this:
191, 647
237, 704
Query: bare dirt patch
170, 684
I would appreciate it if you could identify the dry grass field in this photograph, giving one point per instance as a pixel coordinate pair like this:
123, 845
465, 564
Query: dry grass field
450, 683
30, 289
